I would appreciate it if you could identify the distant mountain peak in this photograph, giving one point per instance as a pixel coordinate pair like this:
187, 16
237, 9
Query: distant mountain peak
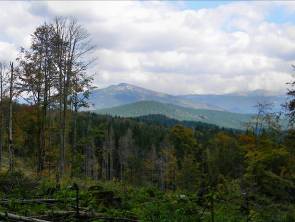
125, 84
125, 93
128, 86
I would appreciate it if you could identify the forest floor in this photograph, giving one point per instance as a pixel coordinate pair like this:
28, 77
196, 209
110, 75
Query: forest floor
26, 197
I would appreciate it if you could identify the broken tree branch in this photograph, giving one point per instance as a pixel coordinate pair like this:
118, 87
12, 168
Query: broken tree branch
20, 218
37, 201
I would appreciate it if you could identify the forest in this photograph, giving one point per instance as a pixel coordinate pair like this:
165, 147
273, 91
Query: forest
60, 162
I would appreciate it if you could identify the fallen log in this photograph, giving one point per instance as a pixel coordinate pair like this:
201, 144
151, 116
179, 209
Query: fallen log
37, 201
116, 219
20, 218
91, 215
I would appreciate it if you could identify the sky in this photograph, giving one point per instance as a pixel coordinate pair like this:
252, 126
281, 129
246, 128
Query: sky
177, 47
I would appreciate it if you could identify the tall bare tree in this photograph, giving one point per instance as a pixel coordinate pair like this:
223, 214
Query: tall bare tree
71, 45
10, 135
38, 76
54, 74
2, 88
291, 103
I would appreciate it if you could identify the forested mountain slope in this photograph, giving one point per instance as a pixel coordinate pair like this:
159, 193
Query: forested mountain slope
219, 118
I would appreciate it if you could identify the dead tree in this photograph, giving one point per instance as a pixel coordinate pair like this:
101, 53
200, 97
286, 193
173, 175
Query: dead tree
2, 70
70, 46
10, 136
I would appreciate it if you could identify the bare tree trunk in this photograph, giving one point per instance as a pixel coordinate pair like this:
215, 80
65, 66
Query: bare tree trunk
43, 119
72, 45
1, 113
109, 167
74, 135
63, 138
39, 154
10, 138
61, 131
162, 179
122, 172
88, 152
49, 142
61, 149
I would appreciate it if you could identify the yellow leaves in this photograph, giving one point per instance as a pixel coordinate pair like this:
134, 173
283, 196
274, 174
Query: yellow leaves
180, 132
183, 139
269, 158
223, 138
247, 139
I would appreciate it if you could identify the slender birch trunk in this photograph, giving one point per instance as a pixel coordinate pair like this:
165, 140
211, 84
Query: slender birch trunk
10, 136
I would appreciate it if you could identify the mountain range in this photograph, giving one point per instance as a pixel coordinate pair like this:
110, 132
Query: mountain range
240, 102
124, 93
227, 110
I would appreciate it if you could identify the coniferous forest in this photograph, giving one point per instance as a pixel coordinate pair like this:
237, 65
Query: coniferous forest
60, 162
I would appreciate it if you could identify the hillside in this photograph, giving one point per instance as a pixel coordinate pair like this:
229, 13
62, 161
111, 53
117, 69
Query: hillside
163, 120
219, 118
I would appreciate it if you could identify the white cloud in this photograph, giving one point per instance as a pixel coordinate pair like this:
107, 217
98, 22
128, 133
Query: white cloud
7, 52
163, 46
